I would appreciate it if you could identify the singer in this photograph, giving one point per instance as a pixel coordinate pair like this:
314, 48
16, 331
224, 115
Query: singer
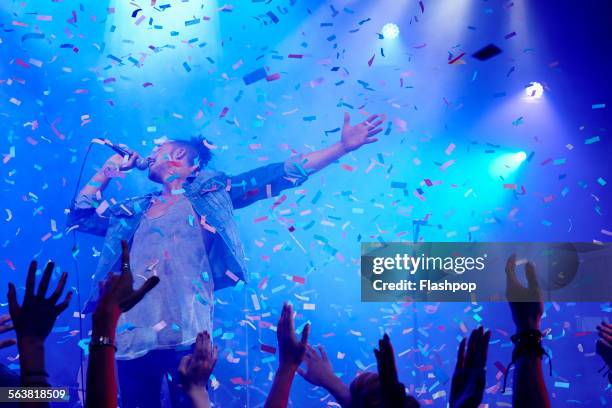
186, 235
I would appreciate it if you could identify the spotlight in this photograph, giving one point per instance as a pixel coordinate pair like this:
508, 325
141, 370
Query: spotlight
390, 31
520, 157
534, 90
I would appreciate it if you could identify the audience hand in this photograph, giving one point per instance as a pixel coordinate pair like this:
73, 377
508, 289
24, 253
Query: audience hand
118, 295
35, 318
467, 386
195, 369
604, 344
319, 372
393, 392
291, 351
525, 302
4, 327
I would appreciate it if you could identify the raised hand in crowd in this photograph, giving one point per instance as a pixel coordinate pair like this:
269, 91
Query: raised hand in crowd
33, 320
603, 346
117, 295
319, 372
195, 370
291, 352
393, 392
468, 384
528, 387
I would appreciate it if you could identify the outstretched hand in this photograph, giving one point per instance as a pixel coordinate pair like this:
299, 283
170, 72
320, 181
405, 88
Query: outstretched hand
353, 137
393, 392
117, 292
525, 302
35, 317
467, 386
291, 351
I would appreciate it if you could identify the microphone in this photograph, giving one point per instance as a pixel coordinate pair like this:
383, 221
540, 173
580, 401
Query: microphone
141, 164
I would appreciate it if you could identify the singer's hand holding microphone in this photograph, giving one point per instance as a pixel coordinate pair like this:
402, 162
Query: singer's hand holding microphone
118, 162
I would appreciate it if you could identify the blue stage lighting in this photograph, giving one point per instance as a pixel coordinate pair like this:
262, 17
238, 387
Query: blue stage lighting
520, 157
534, 90
390, 31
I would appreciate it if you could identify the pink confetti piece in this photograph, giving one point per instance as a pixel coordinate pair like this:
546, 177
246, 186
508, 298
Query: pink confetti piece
449, 149
232, 276
260, 219
298, 279
273, 77
371, 60
447, 165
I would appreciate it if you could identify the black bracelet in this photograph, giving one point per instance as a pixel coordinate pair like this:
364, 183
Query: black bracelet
525, 343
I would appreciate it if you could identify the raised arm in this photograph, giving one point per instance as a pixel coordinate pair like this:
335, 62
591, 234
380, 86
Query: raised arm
117, 296
528, 387
33, 320
268, 181
352, 138
83, 212
290, 352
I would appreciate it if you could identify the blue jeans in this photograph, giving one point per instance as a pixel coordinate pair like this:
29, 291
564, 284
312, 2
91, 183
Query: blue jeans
140, 379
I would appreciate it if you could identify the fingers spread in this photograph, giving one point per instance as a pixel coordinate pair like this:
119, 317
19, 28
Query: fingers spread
5, 318
59, 289
62, 306
370, 119
347, 119
12, 300
31, 280
374, 132
44, 282
139, 294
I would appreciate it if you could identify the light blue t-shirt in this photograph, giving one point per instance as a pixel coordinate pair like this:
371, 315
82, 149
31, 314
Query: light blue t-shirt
172, 247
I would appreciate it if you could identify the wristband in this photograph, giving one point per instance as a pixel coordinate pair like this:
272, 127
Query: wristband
102, 341
525, 343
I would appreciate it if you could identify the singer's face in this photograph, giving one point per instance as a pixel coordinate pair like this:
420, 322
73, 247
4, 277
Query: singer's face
159, 168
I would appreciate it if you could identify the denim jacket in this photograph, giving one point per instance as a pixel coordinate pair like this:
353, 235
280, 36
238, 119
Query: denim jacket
212, 194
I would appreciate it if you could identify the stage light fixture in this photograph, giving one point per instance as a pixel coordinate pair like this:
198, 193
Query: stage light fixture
520, 157
534, 90
390, 31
